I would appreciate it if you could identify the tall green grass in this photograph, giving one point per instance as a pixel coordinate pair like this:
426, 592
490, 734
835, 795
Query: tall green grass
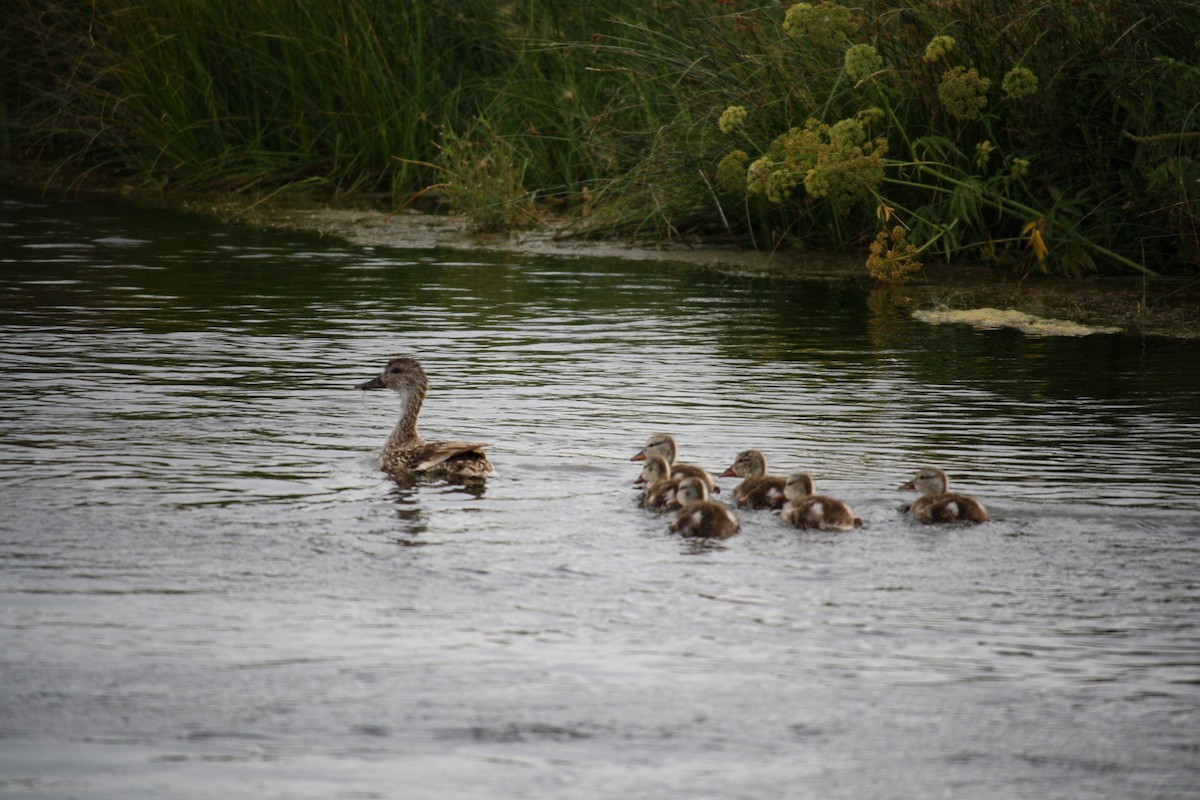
607, 113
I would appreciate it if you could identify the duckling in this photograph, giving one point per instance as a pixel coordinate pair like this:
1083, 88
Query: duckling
936, 504
405, 453
700, 516
757, 489
663, 444
804, 509
659, 487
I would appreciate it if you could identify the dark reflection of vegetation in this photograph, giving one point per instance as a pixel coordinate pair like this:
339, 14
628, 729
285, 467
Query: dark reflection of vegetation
200, 280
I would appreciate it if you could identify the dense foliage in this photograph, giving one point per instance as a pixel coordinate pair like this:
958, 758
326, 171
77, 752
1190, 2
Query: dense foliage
1061, 135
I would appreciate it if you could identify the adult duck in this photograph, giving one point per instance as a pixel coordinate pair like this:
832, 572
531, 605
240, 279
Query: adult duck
804, 509
701, 517
663, 444
757, 489
659, 488
938, 504
406, 454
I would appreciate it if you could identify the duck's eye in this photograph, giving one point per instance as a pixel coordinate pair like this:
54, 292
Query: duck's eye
395, 370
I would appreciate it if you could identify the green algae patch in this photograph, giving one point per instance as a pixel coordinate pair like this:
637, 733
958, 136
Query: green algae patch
993, 318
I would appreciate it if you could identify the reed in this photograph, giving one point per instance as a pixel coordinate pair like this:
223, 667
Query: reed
1056, 135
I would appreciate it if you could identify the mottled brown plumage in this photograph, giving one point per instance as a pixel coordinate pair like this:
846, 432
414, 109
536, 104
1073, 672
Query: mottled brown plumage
936, 504
659, 487
663, 444
406, 454
757, 489
804, 509
701, 517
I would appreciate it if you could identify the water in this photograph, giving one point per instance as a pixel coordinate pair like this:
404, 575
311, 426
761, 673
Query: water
207, 590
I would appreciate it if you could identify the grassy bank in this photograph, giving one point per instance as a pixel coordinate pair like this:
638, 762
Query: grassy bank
1060, 136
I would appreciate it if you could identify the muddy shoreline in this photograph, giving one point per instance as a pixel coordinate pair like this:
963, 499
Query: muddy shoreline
1162, 307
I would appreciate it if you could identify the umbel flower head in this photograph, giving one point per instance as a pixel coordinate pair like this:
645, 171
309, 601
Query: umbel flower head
963, 92
823, 26
731, 172
862, 61
893, 258
1019, 83
939, 47
732, 119
836, 162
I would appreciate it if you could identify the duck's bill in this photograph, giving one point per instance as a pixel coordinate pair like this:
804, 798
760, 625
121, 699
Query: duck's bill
374, 383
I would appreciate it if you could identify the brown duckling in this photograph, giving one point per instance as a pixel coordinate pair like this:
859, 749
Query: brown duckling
804, 509
663, 444
936, 504
406, 454
757, 489
701, 517
659, 488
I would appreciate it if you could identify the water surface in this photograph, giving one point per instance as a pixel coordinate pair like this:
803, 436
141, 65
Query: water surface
206, 590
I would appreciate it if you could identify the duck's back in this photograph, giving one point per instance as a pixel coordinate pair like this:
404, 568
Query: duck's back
437, 460
820, 512
706, 518
765, 491
948, 507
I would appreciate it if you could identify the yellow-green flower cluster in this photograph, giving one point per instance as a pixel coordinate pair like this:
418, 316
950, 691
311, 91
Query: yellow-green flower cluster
893, 258
836, 162
983, 152
862, 61
731, 172
939, 47
1019, 167
963, 92
1019, 83
732, 119
823, 26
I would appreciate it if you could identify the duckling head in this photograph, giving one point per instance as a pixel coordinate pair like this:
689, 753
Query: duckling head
690, 490
799, 485
660, 444
929, 480
655, 470
747, 464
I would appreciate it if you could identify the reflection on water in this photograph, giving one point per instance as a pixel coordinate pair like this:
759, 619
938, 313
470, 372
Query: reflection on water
206, 586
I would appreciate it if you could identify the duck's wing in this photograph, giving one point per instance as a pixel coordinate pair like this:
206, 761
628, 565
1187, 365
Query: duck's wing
435, 453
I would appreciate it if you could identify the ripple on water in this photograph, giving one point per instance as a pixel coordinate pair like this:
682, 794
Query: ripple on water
204, 569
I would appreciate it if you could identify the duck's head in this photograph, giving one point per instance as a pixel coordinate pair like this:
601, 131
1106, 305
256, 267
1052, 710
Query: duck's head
799, 485
748, 464
929, 480
690, 490
402, 375
655, 469
660, 444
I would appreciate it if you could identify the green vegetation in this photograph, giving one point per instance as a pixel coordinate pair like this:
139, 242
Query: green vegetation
1060, 136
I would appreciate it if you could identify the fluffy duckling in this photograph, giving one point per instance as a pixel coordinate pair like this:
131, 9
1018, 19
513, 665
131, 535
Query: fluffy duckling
757, 489
663, 444
700, 516
804, 509
659, 488
406, 454
936, 504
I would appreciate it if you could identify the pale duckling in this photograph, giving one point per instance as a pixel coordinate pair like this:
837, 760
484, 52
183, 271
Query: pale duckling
406, 454
659, 488
663, 444
757, 489
804, 509
701, 517
938, 505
